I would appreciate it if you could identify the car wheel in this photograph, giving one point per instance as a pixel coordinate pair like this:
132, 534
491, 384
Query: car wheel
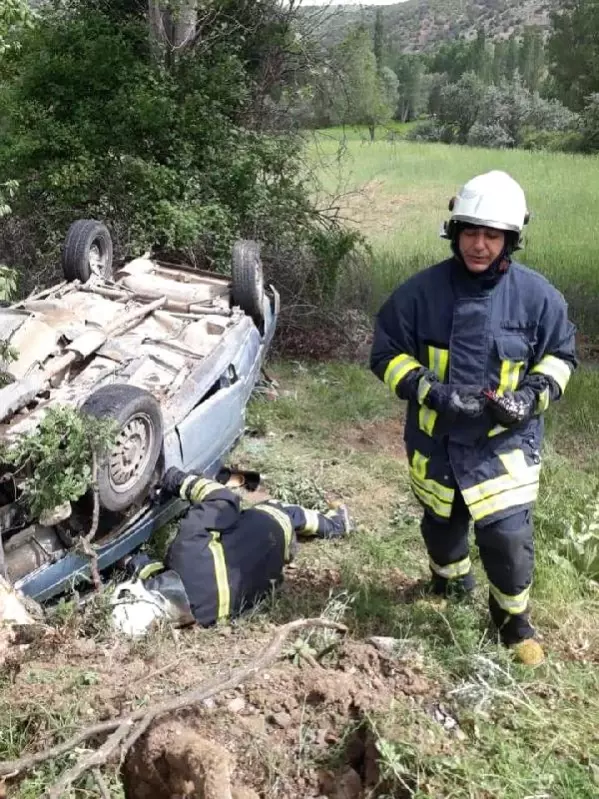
87, 251
248, 279
126, 472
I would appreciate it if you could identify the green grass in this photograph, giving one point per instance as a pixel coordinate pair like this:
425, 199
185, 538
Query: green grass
402, 193
527, 733
391, 131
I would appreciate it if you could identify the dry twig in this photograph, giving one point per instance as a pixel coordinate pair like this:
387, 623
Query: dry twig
103, 788
126, 730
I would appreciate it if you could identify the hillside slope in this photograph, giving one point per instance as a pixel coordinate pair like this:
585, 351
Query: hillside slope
421, 25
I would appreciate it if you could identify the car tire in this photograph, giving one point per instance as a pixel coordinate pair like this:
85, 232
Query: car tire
126, 472
87, 251
248, 279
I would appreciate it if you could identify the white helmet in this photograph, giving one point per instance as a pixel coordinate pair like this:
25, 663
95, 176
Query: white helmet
492, 200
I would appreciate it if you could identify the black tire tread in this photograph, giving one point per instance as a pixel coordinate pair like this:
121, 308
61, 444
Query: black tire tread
246, 290
80, 235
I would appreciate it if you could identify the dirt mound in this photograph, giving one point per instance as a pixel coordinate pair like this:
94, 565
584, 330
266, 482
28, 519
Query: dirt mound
175, 761
299, 730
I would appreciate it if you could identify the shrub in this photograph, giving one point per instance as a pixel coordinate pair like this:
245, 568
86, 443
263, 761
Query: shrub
589, 142
430, 130
494, 136
179, 154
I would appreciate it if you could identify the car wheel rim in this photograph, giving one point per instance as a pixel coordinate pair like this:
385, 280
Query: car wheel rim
131, 453
97, 260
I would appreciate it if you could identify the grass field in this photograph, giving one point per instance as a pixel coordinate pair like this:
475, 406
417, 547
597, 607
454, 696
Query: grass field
397, 193
335, 433
529, 733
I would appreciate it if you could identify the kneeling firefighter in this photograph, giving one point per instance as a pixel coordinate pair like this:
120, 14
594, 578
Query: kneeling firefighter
479, 346
223, 560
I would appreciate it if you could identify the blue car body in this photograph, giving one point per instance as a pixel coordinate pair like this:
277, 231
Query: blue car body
202, 424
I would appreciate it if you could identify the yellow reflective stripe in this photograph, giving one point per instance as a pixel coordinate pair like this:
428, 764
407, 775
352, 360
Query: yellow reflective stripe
522, 495
497, 430
441, 508
426, 420
514, 462
438, 361
518, 474
424, 386
398, 368
311, 526
185, 485
220, 574
283, 521
419, 462
197, 489
509, 376
511, 604
452, 570
554, 367
543, 401
433, 487
418, 475
149, 569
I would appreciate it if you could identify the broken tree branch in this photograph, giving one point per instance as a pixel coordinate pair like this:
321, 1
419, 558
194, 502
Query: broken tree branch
85, 542
89, 762
126, 730
102, 787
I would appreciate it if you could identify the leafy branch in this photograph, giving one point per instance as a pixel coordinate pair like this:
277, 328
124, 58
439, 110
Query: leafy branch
57, 458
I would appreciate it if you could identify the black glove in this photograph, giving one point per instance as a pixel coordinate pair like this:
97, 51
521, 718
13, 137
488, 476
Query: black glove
512, 407
455, 400
467, 400
172, 481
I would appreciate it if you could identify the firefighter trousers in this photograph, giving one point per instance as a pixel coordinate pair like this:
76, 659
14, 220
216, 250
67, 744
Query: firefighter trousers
305, 521
506, 550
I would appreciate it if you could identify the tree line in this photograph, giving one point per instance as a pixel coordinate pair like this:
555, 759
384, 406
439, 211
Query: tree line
165, 120
531, 90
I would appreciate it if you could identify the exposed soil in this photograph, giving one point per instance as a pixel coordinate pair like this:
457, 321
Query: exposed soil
382, 436
373, 209
297, 731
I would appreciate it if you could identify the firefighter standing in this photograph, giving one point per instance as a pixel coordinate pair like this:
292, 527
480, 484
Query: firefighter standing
479, 346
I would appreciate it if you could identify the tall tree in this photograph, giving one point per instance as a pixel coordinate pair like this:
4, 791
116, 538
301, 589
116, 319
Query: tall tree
498, 67
453, 59
363, 97
412, 85
378, 38
532, 58
459, 104
480, 57
512, 57
573, 51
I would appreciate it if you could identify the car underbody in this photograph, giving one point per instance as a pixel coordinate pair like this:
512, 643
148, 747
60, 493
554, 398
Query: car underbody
169, 352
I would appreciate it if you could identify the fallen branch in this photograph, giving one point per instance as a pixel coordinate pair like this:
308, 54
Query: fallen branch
126, 730
103, 788
85, 542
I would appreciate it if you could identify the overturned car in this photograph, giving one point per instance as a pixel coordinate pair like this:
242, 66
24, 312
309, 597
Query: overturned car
171, 354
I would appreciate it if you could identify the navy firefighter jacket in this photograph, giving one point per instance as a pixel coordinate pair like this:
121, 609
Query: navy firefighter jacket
487, 334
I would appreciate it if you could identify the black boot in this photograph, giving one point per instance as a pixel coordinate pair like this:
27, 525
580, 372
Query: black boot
458, 587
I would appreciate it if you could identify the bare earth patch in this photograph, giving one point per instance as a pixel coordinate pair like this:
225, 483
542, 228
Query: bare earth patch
382, 436
276, 736
374, 209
